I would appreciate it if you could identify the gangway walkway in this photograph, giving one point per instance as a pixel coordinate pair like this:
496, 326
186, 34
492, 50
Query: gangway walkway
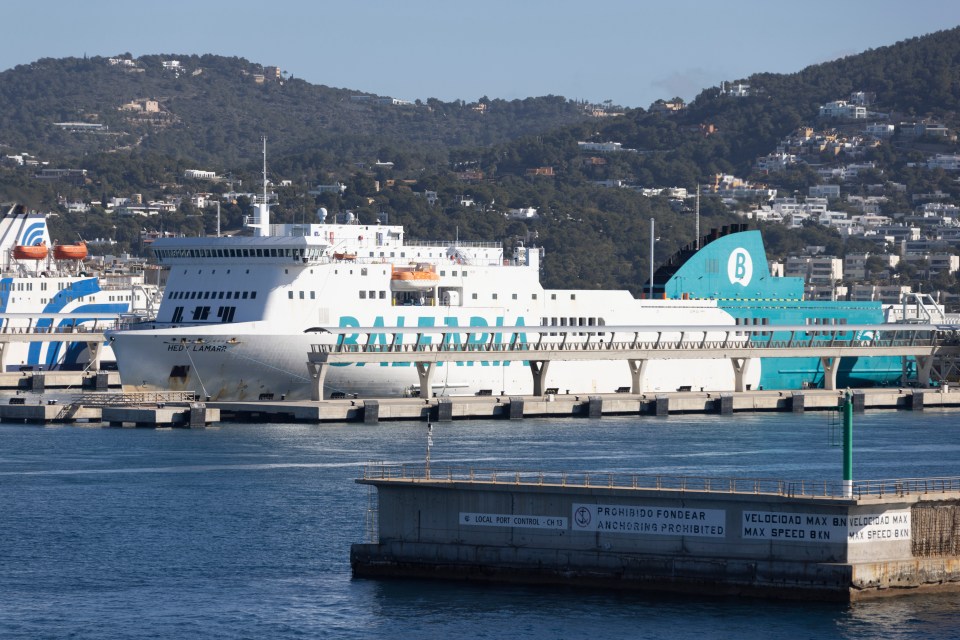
83, 327
636, 345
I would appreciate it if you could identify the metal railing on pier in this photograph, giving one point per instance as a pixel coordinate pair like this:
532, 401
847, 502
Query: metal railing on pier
133, 398
661, 482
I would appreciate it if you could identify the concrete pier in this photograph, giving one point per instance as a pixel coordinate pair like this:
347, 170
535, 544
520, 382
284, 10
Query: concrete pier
731, 536
484, 407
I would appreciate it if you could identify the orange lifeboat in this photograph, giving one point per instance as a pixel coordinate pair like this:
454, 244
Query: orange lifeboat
75, 251
421, 276
35, 252
344, 256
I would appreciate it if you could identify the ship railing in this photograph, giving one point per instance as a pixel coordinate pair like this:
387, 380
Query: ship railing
810, 488
72, 329
603, 345
442, 244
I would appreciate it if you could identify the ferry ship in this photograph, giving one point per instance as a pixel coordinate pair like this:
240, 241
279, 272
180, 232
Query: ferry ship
43, 285
238, 314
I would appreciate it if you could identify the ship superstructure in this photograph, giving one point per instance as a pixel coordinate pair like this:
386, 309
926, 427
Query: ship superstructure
43, 285
235, 319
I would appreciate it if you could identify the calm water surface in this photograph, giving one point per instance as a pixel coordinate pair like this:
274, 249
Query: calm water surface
244, 531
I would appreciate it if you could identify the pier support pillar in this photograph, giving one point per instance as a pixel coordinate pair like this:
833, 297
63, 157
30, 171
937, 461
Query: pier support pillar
95, 349
916, 400
796, 402
724, 404
318, 373
740, 368
924, 367
594, 407
539, 371
661, 406
425, 373
197, 416
858, 401
637, 370
371, 411
444, 410
830, 365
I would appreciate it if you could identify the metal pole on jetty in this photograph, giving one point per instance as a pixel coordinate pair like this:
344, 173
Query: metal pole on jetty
429, 444
847, 405
650, 290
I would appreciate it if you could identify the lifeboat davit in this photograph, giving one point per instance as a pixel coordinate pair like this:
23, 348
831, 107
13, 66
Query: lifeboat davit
75, 251
418, 277
34, 252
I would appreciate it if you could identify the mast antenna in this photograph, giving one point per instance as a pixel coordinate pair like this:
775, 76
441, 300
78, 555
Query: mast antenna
698, 218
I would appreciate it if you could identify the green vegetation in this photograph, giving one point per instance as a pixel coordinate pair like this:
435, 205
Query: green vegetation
212, 113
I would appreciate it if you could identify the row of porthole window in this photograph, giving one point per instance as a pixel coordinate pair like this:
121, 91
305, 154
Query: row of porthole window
309, 252
212, 295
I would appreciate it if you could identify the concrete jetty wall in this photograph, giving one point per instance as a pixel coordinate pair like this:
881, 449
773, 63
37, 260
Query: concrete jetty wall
783, 546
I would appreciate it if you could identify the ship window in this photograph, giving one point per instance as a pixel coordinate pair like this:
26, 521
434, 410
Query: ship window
313, 295
442, 272
236, 294
494, 296
553, 296
403, 254
453, 273
220, 296
373, 294
253, 294
245, 295
229, 295
289, 294
363, 295
363, 271
474, 296
301, 295
573, 296
514, 296
533, 296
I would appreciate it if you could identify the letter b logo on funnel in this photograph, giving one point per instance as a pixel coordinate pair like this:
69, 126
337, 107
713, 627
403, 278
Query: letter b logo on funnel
740, 267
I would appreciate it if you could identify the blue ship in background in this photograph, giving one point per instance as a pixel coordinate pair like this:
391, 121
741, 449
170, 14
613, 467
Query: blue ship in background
731, 267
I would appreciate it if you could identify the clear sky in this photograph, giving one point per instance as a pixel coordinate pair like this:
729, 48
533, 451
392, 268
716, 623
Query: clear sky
630, 52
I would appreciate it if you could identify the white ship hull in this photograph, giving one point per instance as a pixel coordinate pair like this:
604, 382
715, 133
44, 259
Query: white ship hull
249, 361
237, 312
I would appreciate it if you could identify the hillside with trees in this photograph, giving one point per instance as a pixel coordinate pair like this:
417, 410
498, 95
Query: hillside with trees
481, 159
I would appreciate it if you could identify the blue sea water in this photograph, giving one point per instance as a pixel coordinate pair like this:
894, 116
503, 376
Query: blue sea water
244, 531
